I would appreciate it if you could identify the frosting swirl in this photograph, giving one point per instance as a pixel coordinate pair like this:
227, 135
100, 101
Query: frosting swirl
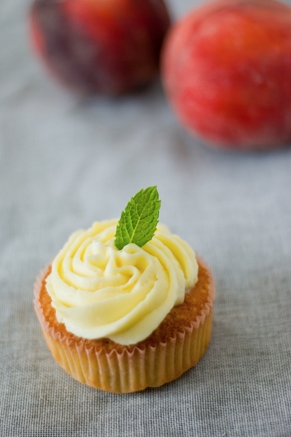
100, 291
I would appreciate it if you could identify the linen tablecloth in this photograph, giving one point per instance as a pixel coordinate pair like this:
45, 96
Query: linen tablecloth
66, 162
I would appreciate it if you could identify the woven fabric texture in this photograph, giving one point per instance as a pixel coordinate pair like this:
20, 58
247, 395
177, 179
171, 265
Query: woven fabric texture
66, 162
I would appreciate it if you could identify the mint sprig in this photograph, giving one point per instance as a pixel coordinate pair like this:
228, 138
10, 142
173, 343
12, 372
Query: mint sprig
138, 222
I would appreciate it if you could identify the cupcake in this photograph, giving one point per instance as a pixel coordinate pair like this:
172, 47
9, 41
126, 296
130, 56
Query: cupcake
126, 304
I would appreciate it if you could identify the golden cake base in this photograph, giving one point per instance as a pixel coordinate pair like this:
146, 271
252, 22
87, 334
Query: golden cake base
175, 346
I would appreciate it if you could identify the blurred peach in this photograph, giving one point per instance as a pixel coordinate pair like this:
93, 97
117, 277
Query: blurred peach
100, 46
226, 72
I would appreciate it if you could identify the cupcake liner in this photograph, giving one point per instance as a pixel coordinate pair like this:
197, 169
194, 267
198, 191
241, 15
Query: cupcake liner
139, 366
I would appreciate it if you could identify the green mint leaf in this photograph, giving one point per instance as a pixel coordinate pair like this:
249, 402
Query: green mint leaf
138, 222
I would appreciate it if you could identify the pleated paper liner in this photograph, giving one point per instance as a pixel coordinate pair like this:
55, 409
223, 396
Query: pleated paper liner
125, 369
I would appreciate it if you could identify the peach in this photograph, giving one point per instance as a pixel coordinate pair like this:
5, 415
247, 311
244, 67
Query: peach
100, 46
226, 71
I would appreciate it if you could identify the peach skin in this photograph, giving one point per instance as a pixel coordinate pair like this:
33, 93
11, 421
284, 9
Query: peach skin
96, 46
226, 71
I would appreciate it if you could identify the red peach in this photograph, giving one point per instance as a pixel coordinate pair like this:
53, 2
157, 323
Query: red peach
227, 73
100, 46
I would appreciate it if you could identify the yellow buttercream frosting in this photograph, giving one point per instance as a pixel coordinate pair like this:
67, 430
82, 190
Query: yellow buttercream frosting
100, 291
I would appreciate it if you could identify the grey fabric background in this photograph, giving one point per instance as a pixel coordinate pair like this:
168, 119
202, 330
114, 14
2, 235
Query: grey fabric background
65, 162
